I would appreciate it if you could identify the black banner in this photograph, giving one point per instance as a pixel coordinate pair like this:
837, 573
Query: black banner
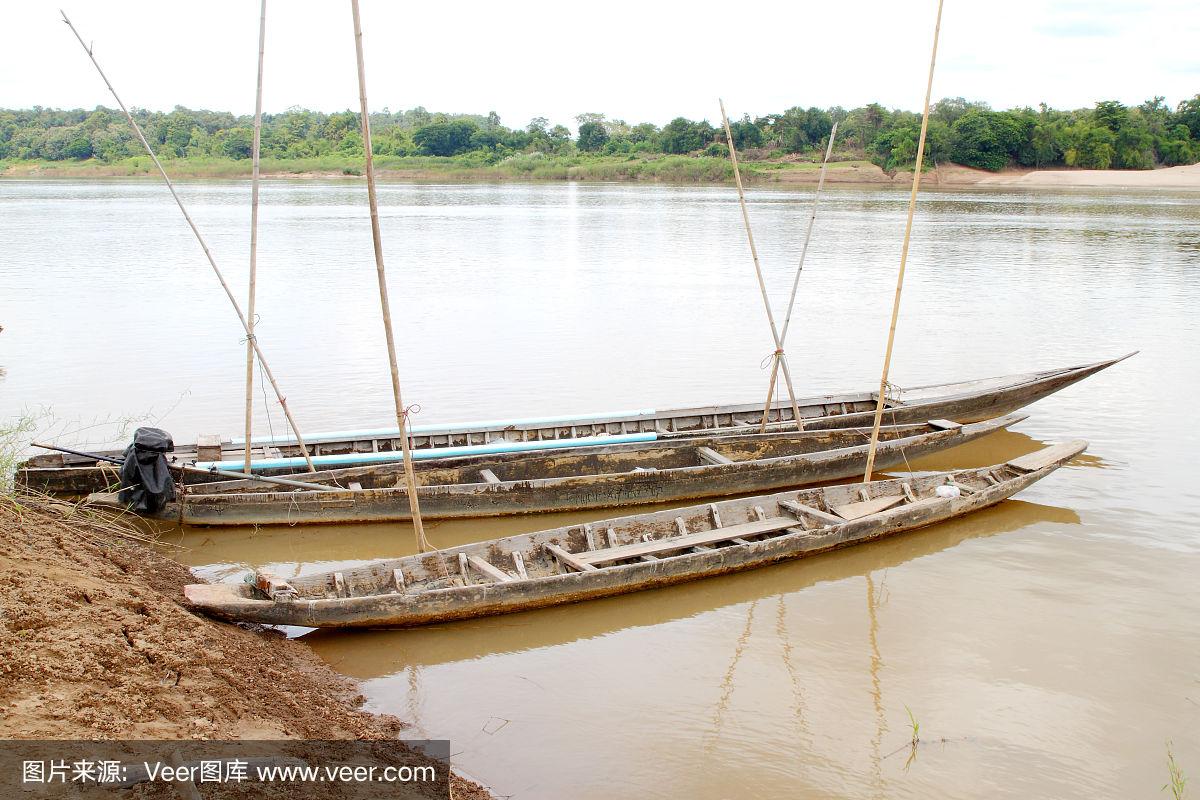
286, 768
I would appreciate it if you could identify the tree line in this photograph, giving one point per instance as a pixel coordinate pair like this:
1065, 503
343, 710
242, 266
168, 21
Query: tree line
1108, 135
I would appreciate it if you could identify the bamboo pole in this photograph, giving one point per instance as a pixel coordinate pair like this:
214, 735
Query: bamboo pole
203, 244
778, 355
787, 321
410, 477
254, 170
912, 206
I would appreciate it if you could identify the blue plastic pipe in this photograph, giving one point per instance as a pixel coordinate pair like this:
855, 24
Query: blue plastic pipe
457, 427
351, 459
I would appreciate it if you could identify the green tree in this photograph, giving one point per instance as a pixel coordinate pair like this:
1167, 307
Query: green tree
1188, 113
681, 135
237, 143
445, 138
1110, 114
982, 139
592, 136
745, 134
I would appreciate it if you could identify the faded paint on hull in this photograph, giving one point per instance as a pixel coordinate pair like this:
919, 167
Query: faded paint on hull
563, 494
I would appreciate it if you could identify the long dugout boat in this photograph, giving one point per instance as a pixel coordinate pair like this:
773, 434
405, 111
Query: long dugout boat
964, 402
618, 556
573, 479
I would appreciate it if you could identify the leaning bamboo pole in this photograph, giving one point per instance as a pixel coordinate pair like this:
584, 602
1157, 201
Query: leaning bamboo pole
410, 478
912, 206
254, 171
203, 245
779, 358
787, 320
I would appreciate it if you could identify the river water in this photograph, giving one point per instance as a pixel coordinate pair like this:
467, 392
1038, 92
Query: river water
1049, 647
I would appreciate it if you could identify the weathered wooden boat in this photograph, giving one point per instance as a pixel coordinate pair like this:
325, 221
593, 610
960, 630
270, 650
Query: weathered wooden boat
968, 401
617, 556
572, 480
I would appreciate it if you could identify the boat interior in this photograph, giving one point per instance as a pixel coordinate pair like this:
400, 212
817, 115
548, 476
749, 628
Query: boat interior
647, 537
573, 462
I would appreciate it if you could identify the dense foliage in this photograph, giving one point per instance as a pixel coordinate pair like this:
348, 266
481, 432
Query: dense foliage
1109, 135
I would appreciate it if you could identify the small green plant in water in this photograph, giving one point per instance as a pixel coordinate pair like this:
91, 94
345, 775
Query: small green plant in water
916, 726
1178, 781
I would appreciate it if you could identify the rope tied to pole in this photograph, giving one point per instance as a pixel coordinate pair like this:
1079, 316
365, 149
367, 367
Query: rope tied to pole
780, 359
402, 411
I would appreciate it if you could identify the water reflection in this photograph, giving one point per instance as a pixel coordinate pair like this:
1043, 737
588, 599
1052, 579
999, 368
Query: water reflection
1058, 657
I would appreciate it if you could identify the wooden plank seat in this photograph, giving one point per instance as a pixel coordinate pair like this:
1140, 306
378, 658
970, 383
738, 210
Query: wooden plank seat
489, 569
710, 456
815, 514
865, 507
658, 546
1044, 457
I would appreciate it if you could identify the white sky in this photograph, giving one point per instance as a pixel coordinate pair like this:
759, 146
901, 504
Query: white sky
638, 61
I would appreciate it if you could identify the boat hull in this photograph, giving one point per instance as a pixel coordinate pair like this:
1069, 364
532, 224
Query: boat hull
964, 402
402, 609
576, 493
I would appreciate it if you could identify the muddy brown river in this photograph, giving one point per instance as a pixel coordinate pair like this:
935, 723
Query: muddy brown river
1049, 647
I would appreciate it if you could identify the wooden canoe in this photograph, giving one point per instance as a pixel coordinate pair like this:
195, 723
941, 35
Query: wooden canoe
573, 479
618, 556
968, 401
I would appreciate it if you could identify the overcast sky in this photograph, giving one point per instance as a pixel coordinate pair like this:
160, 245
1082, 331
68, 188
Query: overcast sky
638, 61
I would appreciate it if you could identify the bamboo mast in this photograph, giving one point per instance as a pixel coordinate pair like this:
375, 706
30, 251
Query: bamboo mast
254, 170
203, 244
410, 477
787, 321
912, 206
778, 356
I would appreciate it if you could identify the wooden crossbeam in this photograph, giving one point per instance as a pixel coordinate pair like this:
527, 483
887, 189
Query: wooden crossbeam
711, 456
568, 559
489, 569
489, 476
820, 517
867, 507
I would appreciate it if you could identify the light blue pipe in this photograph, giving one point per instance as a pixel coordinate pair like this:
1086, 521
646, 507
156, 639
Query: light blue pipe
456, 427
351, 459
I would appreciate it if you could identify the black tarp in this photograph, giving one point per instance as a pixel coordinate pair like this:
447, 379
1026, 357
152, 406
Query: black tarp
146, 483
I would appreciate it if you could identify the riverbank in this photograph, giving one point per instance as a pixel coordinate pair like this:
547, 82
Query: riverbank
664, 169
95, 644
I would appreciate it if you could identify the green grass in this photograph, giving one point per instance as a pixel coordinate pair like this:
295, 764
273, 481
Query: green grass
467, 167
14, 438
1177, 782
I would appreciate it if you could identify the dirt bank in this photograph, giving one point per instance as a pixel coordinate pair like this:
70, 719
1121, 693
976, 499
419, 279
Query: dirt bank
1167, 178
95, 644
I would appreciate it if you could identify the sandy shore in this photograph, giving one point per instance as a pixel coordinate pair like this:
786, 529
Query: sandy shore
96, 644
1167, 178
954, 175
